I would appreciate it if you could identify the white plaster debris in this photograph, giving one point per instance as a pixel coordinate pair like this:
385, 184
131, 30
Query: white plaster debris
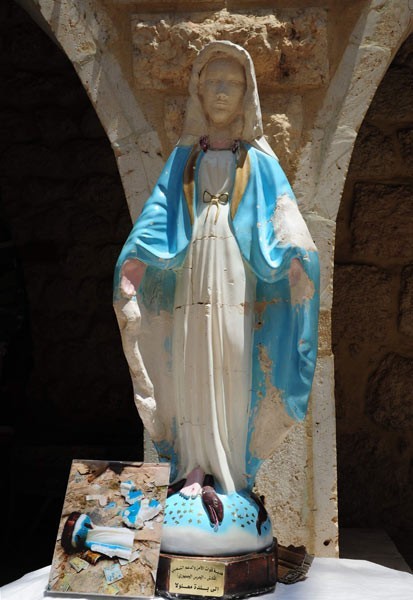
103, 500
134, 556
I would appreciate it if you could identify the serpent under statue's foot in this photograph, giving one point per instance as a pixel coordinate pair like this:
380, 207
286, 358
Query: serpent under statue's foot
193, 483
213, 505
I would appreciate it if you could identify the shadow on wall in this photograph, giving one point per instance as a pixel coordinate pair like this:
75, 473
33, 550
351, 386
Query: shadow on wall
373, 316
63, 220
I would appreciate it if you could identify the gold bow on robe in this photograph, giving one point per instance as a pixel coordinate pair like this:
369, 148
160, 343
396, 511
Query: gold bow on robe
212, 200
242, 174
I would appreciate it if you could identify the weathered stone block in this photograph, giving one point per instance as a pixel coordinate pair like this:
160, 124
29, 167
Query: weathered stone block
396, 84
366, 161
406, 148
322, 231
91, 126
26, 198
405, 54
390, 393
101, 194
88, 157
16, 126
108, 255
51, 225
362, 307
31, 160
25, 90
174, 114
151, 156
282, 119
91, 228
287, 496
373, 479
134, 177
324, 333
406, 302
56, 125
381, 224
323, 435
30, 50
68, 326
288, 49
79, 261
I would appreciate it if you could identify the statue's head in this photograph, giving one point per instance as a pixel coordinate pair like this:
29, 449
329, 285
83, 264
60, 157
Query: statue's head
222, 92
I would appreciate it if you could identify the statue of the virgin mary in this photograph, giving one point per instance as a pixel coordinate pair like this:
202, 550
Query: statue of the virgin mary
216, 291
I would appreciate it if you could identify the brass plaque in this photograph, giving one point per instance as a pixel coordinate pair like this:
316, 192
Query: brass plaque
196, 577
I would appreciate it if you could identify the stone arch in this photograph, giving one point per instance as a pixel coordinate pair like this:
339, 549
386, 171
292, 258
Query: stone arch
321, 174
319, 182
373, 337
84, 33
87, 39
379, 32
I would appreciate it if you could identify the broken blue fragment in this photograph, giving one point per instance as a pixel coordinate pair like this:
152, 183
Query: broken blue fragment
136, 515
130, 492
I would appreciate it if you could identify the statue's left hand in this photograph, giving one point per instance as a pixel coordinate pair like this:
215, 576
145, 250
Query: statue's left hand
301, 286
295, 272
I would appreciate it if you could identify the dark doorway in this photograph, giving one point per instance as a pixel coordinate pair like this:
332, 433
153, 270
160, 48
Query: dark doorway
65, 385
373, 316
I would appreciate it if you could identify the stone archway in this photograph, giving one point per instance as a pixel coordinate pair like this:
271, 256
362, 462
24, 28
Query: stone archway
97, 38
373, 335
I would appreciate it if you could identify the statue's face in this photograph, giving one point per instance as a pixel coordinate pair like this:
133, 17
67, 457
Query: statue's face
222, 90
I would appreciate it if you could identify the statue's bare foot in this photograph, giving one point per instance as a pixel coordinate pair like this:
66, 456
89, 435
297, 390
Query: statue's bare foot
193, 483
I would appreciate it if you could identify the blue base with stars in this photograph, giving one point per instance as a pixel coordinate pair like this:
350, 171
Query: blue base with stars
188, 530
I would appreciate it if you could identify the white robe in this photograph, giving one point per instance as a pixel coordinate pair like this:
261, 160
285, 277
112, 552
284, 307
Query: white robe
212, 340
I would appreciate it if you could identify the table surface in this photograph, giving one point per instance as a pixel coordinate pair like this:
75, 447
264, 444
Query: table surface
328, 579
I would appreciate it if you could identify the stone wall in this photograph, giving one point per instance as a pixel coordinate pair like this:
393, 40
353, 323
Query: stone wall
64, 383
373, 314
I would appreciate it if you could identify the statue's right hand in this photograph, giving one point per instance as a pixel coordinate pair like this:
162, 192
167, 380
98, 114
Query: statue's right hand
127, 287
131, 277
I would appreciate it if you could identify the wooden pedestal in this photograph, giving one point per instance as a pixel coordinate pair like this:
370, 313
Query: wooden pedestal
217, 577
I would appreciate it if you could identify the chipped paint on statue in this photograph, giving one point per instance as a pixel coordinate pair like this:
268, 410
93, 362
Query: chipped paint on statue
217, 296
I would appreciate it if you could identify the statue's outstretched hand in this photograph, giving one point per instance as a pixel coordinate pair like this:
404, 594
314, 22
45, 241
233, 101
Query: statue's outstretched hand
301, 286
131, 277
295, 272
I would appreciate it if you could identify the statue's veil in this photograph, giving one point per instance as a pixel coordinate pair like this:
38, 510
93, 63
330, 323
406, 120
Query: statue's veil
195, 124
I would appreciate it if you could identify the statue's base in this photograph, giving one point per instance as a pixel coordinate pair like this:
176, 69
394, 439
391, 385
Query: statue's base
217, 577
